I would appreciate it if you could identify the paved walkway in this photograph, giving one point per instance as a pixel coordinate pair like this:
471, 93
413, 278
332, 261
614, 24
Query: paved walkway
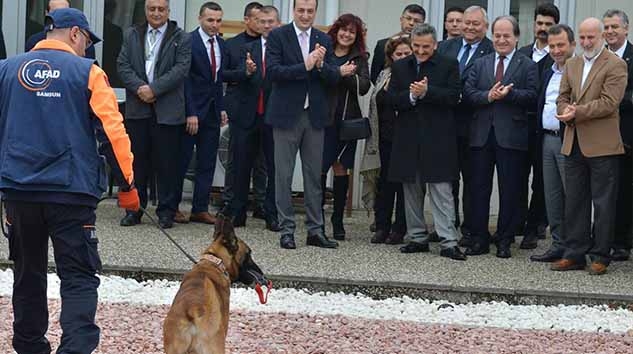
357, 264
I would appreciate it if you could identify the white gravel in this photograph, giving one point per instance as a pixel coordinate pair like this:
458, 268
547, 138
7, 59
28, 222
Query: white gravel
494, 314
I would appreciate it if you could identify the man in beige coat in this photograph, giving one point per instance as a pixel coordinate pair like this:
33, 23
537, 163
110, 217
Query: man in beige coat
591, 89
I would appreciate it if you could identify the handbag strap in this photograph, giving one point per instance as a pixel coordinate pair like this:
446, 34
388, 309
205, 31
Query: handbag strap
347, 96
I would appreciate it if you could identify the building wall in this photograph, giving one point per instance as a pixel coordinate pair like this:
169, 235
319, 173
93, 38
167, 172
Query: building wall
595, 8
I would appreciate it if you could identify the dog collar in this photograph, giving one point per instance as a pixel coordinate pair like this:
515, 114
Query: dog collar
217, 261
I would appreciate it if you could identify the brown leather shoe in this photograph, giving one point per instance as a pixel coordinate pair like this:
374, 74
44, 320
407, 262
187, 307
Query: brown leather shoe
180, 218
567, 264
203, 217
394, 238
597, 268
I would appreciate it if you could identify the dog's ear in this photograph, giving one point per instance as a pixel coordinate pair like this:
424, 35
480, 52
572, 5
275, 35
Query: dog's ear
219, 225
229, 239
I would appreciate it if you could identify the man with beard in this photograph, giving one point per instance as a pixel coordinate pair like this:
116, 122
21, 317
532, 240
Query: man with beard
591, 89
533, 219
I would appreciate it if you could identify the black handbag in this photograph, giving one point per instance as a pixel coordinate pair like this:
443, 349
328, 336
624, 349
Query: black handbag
354, 128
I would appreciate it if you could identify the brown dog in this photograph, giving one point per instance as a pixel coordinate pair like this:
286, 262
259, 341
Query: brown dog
198, 320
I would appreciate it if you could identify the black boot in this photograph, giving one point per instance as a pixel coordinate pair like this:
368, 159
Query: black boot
341, 183
323, 191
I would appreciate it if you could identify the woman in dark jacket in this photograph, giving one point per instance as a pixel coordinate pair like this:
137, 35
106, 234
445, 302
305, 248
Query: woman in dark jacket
397, 47
350, 55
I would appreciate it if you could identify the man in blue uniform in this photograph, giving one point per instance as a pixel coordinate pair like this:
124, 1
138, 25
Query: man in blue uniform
52, 175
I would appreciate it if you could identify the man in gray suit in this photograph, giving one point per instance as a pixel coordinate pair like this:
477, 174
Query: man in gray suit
154, 60
501, 87
299, 65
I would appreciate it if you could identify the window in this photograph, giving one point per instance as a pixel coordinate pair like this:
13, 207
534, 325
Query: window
36, 12
523, 11
118, 16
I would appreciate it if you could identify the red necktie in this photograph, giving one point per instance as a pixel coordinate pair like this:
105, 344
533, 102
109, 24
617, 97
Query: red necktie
260, 99
499, 72
213, 63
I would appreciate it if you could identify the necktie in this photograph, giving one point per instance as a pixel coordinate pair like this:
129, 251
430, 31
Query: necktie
151, 43
152, 36
464, 59
260, 99
303, 42
499, 71
213, 63
419, 76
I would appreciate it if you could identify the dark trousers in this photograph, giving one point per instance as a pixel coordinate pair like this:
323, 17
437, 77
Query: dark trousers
259, 174
510, 164
206, 145
589, 180
72, 232
533, 214
387, 193
156, 148
463, 163
248, 143
624, 204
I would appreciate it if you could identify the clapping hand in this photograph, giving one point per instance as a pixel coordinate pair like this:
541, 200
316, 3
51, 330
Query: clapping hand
569, 113
315, 58
499, 91
251, 67
348, 69
419, 88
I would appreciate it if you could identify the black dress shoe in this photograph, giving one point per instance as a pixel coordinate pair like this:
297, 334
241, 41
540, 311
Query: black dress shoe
130, 219
434, 237
165, 222
259, 213
414, 247
321, 241
379, 237
477, 249
503, 252
272, 225
529, 242
620, 254
453, 253
549, 256
465, 241
287, 242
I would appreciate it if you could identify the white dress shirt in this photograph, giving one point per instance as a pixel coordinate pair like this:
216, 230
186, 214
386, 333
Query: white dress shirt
298, 31
551, 94
538, 54
620, 52
216, 48
152, 50
473, 49
506, 62
587, 68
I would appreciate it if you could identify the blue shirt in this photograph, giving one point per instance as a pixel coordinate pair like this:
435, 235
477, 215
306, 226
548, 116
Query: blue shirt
473, 49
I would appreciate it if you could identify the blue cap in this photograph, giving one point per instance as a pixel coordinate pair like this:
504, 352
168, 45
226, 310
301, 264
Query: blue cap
67, 18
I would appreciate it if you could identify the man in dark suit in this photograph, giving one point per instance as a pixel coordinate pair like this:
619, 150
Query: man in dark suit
50, 7
251, 135
232, 76
153, 64
453, 19
425, 87
411, 15
550, 130
3, 49
204, 111
533, 217
616, 27
299, 65
501, 87
472, 45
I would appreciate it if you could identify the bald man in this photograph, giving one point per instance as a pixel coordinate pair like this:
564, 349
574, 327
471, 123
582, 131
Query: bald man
591, 89
35, 38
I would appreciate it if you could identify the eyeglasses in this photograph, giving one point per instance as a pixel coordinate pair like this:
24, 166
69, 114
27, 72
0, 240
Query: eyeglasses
88, 40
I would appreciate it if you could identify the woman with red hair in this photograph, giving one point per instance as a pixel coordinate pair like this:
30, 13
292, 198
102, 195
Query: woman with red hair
348, 36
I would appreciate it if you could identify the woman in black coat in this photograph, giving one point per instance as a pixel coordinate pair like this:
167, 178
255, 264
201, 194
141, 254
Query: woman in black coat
350, 54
